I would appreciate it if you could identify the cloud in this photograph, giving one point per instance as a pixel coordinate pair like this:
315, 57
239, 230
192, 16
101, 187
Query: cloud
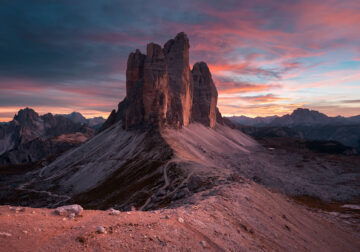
268, 98
226, 85
79, 49
335, 110
350, 101
259, 109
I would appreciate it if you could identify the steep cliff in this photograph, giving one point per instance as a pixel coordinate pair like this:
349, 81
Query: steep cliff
205, 96
162, 91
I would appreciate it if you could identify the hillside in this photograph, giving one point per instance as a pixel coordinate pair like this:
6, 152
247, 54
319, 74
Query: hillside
242, 216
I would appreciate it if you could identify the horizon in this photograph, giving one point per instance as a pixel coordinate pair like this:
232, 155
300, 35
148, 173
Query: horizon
86, 117
266, 58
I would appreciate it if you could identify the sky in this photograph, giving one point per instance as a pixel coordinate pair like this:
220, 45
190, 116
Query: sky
266, 57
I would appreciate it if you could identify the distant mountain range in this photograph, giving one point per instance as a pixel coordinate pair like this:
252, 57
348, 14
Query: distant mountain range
30, 137
303, 123
95, 122
299, 117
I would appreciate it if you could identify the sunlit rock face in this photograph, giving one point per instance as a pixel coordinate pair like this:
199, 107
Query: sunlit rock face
180, 80
160, 89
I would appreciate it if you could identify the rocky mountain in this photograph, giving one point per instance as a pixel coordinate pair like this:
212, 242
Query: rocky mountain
299, 117
303, 117
248, 121
76, 117
30, 137
134, 148
166, 142
167, 148
304, 124
95, 122
162, 91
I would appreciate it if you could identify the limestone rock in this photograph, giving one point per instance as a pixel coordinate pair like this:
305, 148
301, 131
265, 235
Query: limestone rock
180, 80
114, 211
69, 209
156, 86
101, 230
205, 96
160, 89
5, 234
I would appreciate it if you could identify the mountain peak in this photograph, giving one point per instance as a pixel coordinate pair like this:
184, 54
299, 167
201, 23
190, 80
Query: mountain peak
26, 116
307, 116
306, 111
301, 110
76, 117
162, 91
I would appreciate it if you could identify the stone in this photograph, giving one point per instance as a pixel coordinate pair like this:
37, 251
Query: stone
180, 81
101, 230
156, 86
203, 244
205, 96
114, 211
69, 209
181, 220
5, 234
162, 91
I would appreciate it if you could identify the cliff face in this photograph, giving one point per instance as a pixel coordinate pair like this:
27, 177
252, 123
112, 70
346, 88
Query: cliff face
162, 91
205, 96
180, 80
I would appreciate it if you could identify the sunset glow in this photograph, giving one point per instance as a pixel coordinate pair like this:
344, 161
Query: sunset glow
266, 57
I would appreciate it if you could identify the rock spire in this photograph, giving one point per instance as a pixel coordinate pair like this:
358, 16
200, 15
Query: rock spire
162, 91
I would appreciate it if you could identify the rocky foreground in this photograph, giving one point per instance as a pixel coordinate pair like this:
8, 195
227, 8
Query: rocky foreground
241, 216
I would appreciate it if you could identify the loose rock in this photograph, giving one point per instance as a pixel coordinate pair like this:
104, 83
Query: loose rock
101, 230
114, 211
203, 244
4, 234
67, 210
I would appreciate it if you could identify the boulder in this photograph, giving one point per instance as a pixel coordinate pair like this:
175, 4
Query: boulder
101, 230
69, 209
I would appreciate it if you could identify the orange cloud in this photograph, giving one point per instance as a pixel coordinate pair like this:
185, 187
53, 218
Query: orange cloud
245, 88
254, 99
259, 110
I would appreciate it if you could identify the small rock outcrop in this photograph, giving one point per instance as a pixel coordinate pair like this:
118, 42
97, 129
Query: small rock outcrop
68, 210
162, 91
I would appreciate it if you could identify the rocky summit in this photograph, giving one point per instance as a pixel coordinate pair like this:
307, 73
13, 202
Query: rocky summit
162, 90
